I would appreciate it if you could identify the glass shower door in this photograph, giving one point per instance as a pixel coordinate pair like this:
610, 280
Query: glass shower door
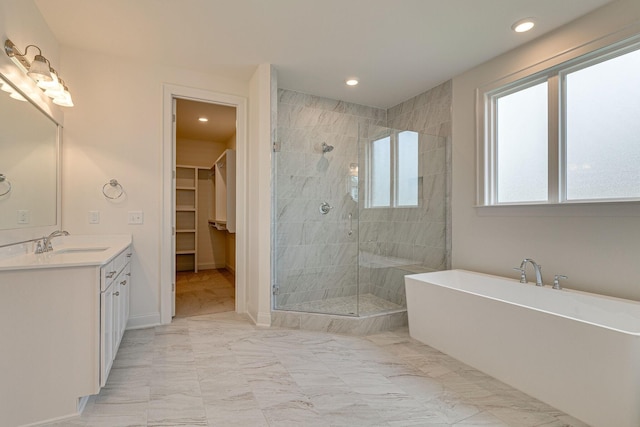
315, 175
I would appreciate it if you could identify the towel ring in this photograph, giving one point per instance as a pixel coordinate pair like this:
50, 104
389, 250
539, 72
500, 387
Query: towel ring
3, 179
112, 186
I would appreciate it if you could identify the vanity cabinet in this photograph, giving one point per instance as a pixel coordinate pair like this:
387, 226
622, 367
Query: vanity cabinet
62, 317
115, 278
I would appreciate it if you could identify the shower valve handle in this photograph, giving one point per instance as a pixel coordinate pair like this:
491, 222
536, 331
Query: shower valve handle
325, 208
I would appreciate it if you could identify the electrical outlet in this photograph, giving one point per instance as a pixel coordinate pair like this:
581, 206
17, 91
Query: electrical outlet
136, 217
23, 216
94, 217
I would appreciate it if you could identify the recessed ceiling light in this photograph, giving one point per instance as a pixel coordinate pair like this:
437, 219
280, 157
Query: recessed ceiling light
203, 119
523, 25
352, 82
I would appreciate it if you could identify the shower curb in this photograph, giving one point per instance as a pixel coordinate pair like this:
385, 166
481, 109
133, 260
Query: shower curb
345, 325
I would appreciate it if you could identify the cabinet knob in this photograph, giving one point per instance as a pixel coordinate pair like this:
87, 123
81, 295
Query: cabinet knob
128, 274
109, 274
123, 283
129, 255
117, 293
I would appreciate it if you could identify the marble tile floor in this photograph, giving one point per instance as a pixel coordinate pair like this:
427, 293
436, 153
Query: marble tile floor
221, 370
365, 305
205, 292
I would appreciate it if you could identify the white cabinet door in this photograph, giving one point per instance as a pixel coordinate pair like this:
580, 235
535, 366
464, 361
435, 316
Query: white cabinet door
115, 314
114, 309
121, 307
126, 290
107, 334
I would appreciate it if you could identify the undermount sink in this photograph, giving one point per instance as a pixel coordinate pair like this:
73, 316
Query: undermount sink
78, 250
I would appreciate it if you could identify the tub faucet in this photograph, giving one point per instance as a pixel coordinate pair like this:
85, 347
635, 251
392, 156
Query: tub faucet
46, 241
537, 268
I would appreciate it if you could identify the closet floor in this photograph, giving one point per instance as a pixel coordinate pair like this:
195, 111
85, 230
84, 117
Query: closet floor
205, 292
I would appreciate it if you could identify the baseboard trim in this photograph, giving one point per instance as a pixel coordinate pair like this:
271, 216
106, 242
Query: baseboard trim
53, 420
264, 319
210, 266
143, 321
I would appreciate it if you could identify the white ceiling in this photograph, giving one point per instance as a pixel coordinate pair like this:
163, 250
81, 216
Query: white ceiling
398, 48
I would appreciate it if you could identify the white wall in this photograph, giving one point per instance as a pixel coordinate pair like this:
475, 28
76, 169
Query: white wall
115, 131
22, 23
194, 152
598, 247
259, 191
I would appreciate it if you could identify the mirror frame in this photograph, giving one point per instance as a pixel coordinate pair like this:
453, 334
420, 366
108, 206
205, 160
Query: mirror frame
27, 88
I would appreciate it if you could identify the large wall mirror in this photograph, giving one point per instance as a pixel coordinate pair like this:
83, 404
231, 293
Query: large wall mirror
29, 153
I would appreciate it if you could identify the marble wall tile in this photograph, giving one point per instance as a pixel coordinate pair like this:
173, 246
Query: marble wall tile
292, 97
307, 122
430, 113
324, 103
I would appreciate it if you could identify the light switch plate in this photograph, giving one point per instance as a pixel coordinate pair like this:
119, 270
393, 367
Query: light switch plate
94, 217
23, 216
136, 217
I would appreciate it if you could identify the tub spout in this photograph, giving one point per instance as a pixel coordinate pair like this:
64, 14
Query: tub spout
536, 268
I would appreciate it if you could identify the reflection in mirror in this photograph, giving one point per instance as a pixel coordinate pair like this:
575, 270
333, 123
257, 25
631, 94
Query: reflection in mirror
28, 163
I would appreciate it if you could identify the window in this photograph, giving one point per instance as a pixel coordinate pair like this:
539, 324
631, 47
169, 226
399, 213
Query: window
380, 173
393, 171
570, 133
602, 122
521, 145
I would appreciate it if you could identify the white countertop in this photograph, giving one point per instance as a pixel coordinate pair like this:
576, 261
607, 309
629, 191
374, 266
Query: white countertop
70, 251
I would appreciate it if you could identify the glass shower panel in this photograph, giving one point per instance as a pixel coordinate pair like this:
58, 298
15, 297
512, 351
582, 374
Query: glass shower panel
315, 220
407, 234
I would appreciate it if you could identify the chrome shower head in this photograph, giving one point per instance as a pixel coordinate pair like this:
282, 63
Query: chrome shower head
326, 148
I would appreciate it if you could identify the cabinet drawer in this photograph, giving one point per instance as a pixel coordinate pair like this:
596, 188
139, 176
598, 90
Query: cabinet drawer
107, 274
109, 271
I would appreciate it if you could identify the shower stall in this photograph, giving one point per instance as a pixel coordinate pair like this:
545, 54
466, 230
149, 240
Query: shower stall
357, 206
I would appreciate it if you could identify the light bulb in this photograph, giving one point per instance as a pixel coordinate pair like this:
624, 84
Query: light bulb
523, 25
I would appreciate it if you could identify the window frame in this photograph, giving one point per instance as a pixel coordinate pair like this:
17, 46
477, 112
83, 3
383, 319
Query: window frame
554, 72
394, 167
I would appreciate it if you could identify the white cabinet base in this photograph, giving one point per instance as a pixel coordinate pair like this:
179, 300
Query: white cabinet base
51, 330
49, 320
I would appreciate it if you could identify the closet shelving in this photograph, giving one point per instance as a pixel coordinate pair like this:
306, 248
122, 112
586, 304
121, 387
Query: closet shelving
186, 218
223, 216
194, 186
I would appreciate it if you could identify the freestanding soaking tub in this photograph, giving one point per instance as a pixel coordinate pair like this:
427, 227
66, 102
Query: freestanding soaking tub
576, 351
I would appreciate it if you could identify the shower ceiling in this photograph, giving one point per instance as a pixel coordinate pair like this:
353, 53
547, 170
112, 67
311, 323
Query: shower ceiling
396, 48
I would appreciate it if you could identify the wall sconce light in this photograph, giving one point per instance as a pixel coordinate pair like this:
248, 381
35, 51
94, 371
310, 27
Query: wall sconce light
40, 70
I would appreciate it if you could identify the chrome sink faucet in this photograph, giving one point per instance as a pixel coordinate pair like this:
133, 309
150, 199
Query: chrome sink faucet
536, 268
46, 241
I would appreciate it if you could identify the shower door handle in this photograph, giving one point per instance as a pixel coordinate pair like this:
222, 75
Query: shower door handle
350, 224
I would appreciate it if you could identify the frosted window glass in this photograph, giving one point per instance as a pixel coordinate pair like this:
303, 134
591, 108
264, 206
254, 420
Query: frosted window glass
407, 184
381, 172
603, 130
521, 145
